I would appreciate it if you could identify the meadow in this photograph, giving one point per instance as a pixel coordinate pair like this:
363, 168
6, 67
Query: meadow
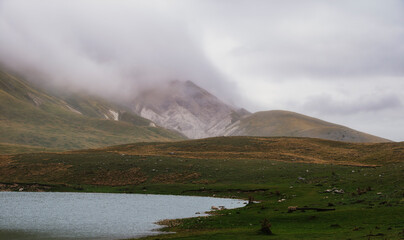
303, 188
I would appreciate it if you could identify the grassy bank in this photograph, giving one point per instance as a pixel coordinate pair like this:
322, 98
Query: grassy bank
279, 172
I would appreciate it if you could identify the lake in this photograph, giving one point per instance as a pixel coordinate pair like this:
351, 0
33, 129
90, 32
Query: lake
45, 215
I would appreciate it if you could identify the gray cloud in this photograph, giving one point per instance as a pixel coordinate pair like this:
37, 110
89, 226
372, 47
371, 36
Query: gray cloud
318, 39
326, 104
106, 47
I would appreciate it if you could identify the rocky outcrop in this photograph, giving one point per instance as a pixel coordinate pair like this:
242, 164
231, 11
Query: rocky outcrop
187, 108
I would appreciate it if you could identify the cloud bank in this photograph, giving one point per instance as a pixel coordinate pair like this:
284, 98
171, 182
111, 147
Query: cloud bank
108, 47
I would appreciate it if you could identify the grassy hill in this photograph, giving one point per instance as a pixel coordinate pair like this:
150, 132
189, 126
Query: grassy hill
306, 150
90, 166
363, 183
285, 123
34, 118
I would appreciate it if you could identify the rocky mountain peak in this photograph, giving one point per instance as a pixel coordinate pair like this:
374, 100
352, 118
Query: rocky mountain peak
187, 108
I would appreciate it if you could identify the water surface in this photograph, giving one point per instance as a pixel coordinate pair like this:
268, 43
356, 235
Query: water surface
30, 215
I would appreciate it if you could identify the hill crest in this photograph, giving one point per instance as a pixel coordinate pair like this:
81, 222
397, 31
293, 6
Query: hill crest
277, 123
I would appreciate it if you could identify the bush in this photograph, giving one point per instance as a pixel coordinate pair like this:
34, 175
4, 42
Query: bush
266, 227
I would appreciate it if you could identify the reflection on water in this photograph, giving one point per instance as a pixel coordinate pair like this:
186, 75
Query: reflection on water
29, 215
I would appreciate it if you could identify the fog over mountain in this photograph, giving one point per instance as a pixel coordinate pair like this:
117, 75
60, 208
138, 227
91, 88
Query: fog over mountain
105, 47
341, 61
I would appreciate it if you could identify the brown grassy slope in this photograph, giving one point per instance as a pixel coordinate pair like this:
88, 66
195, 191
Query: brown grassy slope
291, 124
308, 150
223, 159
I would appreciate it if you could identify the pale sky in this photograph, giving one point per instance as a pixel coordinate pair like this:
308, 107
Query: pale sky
341, 61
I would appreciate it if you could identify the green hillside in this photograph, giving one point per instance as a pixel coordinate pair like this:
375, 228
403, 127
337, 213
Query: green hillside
31, 117
291, 124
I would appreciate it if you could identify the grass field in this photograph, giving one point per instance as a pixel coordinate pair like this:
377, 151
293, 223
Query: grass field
278, 172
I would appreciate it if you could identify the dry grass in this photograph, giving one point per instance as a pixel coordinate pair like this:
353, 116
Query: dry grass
5, 160
302, 150
202, 161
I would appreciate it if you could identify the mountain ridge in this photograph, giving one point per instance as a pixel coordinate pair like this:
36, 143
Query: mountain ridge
33, 116
193, 111
30, 116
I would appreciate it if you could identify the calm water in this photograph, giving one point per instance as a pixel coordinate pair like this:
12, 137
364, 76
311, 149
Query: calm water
29, 215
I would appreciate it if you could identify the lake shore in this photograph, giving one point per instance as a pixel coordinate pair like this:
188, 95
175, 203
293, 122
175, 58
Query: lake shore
362, 182
62, 215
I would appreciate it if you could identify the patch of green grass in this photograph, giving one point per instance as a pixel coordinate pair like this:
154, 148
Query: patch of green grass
369, 215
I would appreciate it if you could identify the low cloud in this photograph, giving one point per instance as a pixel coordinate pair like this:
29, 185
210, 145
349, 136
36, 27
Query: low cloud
325, 104
323, 40
112, 48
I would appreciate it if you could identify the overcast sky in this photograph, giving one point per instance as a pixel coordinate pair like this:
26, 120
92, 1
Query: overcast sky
341, 61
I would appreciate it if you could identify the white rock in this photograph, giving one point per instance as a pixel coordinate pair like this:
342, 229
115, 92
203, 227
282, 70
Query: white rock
73, 110
115, 115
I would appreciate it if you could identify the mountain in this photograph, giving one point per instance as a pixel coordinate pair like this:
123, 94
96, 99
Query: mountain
187, 108
191, 110
32, 117
284, 123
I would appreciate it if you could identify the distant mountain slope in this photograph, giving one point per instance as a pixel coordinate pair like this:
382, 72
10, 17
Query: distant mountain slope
191, 110
32, 117
95, 107
37, 118
187, 108
285, 123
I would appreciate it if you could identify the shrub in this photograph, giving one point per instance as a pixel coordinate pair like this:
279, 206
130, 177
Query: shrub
266, 227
